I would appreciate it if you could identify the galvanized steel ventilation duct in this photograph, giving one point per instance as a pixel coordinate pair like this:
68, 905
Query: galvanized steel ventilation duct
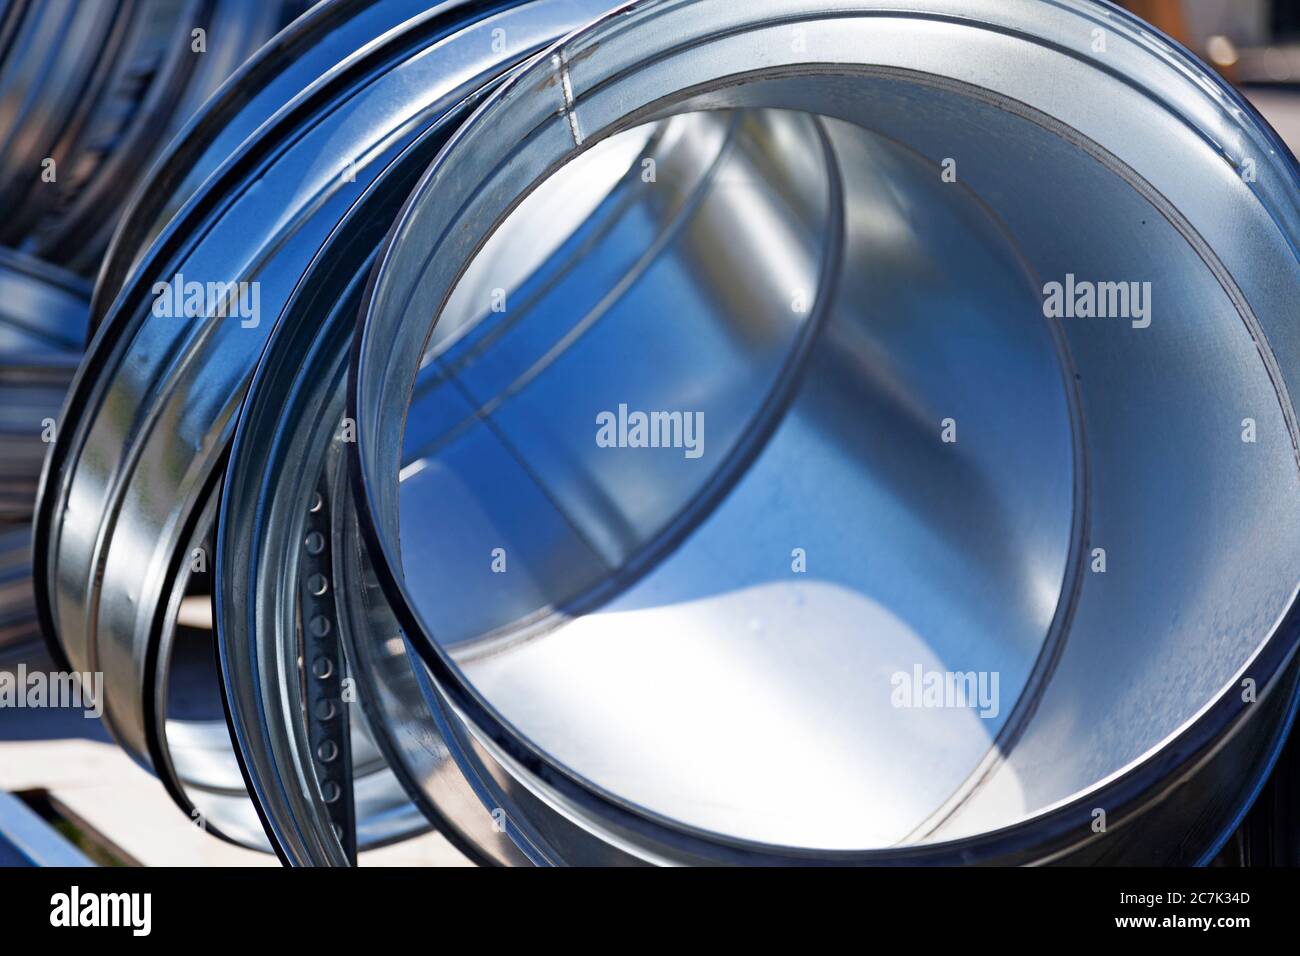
89, 93
848, 247
43, 313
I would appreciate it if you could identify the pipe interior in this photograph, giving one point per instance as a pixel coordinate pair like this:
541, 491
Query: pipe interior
882, 475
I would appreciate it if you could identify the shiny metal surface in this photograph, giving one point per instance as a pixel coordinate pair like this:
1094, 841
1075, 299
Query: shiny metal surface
138, 459
811, 242
324, 36
27, 840
19, 631
97, 89
288, 437
653, 670
43, 312
627, 562
193, 753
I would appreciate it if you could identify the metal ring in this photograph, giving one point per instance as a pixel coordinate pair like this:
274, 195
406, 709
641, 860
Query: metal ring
305, 50
923, 78
183, 377
107, 85
287, 450
779, 174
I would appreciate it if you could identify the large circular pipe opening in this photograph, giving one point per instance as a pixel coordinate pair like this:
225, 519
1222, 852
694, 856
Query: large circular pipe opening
744, 443
982, 429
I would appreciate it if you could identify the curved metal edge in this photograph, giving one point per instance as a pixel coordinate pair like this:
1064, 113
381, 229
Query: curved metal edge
1054, 832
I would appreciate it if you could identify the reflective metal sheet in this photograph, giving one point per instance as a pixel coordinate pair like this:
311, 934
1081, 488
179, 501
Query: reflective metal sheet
1132, 661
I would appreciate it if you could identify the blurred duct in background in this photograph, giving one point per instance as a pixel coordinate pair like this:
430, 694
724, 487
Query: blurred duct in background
90, 92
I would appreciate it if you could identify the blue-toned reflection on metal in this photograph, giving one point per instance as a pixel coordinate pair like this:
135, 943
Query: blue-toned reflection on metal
92, 91
27, 840
699, 409
288, 445
1098, 536
43, 311
159, 391
126, 512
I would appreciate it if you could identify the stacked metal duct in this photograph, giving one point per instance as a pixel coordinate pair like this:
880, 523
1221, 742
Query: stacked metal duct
195, 205
613, 436
43, 313
89, 92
